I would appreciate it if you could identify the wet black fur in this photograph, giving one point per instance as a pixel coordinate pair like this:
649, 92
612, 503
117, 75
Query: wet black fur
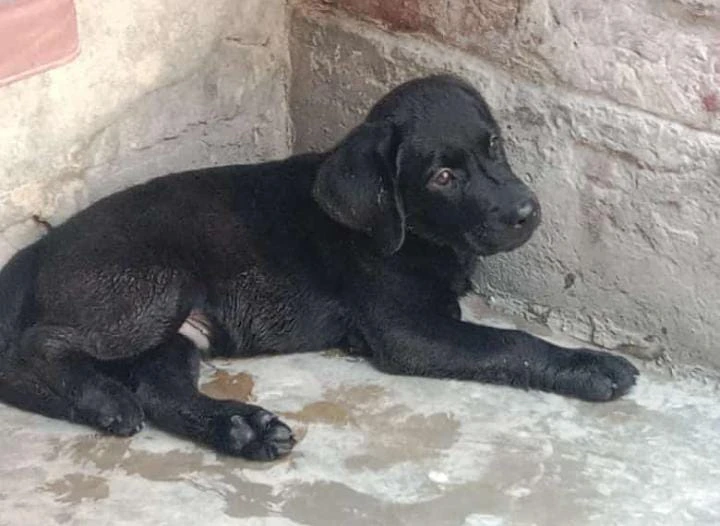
357, 247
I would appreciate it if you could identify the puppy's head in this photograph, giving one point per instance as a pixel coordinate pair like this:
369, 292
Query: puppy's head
429, 158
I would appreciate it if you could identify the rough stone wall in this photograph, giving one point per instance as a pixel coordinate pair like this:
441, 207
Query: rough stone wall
159, 86
611, 113
611, 110
662, 56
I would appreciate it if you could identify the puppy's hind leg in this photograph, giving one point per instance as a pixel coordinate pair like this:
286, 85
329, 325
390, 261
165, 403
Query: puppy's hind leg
56, 356
165, 382
21, 387
93, 321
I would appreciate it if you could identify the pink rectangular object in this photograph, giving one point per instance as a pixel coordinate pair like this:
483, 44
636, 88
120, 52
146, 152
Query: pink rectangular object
35, 35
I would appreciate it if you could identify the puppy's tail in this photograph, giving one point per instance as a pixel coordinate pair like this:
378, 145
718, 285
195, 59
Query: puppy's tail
20, 385
17, 296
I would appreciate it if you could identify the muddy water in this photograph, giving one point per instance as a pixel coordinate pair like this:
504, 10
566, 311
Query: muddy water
75, 487
227, 386
370, 409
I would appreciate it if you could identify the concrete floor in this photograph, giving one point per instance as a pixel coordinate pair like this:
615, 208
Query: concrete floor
382, 450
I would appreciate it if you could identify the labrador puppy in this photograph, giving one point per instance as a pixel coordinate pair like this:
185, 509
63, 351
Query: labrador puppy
365, 247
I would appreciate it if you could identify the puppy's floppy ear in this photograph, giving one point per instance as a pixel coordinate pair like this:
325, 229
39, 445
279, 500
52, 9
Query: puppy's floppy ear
357, 185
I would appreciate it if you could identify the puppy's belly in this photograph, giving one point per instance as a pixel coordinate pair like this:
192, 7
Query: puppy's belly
286, 328
197, 329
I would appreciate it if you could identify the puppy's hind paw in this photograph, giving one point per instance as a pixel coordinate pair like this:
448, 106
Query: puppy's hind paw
258, 436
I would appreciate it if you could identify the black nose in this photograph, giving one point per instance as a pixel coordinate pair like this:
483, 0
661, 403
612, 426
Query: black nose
525, 212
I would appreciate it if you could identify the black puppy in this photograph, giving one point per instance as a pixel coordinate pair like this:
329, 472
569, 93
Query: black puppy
366, 246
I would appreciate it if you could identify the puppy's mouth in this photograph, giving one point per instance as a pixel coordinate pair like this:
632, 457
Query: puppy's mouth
485, 242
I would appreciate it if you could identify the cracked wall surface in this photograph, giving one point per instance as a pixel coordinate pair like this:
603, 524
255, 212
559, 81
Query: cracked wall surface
158, 87
608, 113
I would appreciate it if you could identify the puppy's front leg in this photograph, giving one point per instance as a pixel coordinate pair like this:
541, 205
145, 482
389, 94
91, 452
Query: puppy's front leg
435, 346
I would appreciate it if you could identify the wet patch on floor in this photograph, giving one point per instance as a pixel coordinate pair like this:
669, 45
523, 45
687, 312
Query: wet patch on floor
73, 488
225, 386
380, 450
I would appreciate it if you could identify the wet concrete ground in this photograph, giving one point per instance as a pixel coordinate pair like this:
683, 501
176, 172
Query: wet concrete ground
382, 450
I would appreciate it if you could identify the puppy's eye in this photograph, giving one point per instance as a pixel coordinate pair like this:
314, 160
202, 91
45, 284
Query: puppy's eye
443, 177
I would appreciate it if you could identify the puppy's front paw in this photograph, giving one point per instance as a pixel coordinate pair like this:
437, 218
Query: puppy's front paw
257, 436
592, 375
